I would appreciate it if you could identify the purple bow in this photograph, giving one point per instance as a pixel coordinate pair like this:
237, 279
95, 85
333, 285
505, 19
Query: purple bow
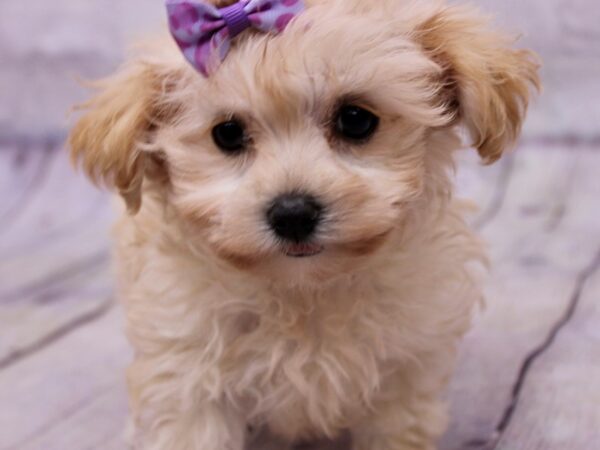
204, 32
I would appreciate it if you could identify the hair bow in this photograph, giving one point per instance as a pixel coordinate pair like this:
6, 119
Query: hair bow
204, 32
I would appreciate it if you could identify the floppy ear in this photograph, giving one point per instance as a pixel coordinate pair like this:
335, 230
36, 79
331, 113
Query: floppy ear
486, 82
107, 140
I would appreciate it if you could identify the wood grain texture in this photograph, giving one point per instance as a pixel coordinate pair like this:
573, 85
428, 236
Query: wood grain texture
54, 269
559, 403
544, 236
561, 396
71, 395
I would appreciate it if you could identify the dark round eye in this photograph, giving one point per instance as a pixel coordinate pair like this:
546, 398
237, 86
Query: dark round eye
230, 136
356, 123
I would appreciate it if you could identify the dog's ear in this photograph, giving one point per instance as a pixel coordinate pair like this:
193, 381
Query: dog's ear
107, 140
486, 84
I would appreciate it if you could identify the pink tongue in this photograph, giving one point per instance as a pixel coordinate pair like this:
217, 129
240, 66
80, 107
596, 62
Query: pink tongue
301, 249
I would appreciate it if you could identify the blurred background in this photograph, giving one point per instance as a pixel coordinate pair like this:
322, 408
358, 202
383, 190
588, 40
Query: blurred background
529, 374
46, 45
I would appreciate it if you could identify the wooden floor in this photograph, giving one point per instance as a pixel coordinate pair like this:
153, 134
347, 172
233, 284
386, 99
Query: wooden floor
529, 373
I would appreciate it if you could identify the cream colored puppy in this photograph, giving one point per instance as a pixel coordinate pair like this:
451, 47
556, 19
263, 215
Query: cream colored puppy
292, 255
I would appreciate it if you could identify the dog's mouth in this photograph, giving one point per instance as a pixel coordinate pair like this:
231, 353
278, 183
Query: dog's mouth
302, 250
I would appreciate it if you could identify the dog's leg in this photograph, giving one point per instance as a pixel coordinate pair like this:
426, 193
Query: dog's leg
402, 420
168, 418
210, 427
397, 428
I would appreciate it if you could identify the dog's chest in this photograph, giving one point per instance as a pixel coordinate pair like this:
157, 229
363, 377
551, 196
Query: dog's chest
316, 372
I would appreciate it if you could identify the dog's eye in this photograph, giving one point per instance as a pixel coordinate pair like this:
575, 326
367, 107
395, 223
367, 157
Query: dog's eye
355, 123
230, 136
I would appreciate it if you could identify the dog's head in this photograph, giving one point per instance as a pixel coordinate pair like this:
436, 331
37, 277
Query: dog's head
305, 151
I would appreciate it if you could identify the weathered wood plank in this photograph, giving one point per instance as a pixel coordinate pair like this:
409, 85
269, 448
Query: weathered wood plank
559, 406
484, 186
62, 215
543, 237
70, 395
53, 248
21, 172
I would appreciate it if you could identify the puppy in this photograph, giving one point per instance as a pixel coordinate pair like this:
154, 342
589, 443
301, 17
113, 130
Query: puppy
292, 256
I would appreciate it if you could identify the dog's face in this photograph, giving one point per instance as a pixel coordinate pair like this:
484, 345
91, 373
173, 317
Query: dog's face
305, 152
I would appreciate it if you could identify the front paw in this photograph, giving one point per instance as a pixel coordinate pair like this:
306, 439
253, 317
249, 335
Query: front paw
407, 441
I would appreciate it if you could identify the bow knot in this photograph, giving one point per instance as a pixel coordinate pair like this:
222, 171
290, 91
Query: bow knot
204, 32
235, 18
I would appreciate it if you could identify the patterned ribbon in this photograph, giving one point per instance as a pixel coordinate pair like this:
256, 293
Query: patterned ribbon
204, 32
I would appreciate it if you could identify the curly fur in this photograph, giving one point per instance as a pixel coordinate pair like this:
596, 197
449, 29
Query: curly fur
228, 331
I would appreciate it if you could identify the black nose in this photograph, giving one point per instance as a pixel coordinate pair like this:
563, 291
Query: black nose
294, 217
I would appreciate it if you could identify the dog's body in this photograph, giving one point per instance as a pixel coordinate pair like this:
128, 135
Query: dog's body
307, 361
229, 329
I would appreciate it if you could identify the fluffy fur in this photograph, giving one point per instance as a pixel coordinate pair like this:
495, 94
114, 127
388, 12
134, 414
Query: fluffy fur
228, 331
